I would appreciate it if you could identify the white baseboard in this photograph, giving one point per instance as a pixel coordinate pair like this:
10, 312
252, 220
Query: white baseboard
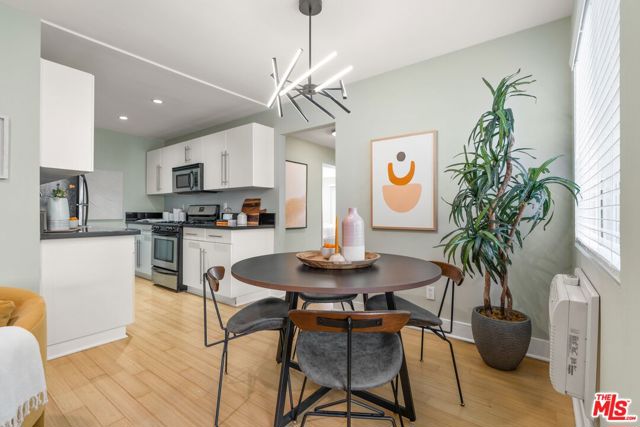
538, 348
73, 346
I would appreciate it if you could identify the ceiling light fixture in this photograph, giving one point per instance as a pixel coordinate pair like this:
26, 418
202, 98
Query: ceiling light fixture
333, 132
123, 118
157, 101
296, 88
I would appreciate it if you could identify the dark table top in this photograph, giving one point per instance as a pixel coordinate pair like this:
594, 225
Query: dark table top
284, 272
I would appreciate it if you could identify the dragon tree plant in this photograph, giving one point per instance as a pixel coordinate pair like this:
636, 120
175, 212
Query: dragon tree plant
500, 201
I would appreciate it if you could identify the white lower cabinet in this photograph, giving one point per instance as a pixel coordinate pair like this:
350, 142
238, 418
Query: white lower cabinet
206, 248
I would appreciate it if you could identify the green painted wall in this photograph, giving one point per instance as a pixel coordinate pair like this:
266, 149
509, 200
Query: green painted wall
619, 315
116, 151
314, 156
446, 94
20, 101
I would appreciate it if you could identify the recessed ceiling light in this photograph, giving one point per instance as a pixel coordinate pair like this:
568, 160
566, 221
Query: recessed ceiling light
157, 101
123, 118
333, 132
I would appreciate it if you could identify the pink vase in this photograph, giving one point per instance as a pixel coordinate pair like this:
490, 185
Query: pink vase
353, 236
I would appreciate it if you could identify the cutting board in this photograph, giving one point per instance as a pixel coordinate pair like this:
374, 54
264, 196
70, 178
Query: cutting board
251, 207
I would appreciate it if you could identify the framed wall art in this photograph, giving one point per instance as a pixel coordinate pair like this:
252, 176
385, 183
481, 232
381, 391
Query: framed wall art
295, 202
404, 182
4, 147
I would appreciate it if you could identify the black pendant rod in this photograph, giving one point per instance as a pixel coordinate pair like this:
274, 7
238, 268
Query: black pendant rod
309, 79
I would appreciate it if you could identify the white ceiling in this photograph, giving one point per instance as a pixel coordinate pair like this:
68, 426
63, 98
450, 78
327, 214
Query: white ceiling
230, 43
321, 136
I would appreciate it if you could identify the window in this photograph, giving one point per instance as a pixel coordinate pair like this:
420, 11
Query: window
328, 203
597, 130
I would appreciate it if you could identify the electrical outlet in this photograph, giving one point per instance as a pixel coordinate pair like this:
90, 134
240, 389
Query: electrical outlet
431, 293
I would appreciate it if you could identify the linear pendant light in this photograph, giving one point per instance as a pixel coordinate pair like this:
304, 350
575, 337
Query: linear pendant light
297, 87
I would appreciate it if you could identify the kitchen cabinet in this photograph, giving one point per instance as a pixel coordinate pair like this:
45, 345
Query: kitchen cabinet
206, 248
88, 286
154, 170
241, 157
213, 149
143, 254
66, 121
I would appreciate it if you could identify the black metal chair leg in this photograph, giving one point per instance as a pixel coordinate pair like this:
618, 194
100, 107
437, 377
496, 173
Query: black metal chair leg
422, 346
295, 410
394, 387
455, 369
351, 305
342, 305
223, 363
305, 305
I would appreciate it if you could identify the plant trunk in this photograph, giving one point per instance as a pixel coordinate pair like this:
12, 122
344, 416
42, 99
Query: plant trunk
504, 283
487, 294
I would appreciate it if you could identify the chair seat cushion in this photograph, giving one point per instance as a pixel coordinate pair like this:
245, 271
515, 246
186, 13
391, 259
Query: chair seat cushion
263, 315
327, 297
376, 359
419, 316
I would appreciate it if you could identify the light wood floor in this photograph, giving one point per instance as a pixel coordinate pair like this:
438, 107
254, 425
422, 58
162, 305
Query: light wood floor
163, 376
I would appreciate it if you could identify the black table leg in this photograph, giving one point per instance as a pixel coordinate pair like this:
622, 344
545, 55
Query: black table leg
410, 410
280, 418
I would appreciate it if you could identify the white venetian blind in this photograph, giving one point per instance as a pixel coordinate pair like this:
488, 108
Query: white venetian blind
597, 130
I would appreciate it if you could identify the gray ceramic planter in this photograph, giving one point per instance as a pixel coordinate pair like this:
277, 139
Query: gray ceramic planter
501, 344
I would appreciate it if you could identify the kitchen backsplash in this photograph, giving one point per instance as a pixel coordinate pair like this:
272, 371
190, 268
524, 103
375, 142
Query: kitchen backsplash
234, 198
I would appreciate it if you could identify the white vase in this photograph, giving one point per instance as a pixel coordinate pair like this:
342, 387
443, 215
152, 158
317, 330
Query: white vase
353, 236
57, 214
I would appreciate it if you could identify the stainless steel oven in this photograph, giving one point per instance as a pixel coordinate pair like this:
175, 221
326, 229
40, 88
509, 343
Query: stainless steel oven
166, 254
188, 179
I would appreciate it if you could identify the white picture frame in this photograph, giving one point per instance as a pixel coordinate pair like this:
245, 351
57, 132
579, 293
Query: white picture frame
4, 147
404, 186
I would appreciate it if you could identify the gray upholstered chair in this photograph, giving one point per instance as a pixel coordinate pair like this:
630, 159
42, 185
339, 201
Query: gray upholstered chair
268, 314
423, 318
350, 351
310, 298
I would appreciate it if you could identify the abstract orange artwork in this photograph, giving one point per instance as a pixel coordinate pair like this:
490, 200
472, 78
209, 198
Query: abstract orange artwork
403, 182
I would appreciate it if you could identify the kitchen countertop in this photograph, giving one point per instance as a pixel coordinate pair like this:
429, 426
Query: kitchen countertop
246, 227
89, 232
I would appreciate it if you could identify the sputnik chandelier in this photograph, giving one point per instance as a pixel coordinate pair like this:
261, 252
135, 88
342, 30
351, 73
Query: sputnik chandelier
297, 88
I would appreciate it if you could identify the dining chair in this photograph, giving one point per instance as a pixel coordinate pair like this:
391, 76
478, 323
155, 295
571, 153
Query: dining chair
350, 351
268, 314
311, 298
425, 319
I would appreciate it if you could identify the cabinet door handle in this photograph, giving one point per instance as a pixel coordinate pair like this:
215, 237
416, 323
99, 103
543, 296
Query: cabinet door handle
185, 154
226, 168
138, 255
158, 171
222, 168
216, 236
190, 234
201, 273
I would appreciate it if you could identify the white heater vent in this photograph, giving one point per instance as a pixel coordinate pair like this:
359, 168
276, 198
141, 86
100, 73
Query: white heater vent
573, 335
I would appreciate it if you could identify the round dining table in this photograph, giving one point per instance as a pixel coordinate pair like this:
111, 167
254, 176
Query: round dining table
285, 272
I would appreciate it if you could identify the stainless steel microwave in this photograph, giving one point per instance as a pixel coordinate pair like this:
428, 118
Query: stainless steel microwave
188, 178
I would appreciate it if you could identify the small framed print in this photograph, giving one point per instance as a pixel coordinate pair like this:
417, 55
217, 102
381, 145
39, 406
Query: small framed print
403, 182
295, 203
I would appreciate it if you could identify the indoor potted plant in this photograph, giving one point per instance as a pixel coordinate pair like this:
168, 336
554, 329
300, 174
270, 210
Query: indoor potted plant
499, 202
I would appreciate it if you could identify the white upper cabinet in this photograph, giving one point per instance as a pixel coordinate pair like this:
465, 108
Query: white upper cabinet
242, 157
213, 150
66, 118
154, 170
249, 160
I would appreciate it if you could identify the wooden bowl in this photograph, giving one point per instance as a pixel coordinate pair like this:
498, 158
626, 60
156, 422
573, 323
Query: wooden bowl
316, 260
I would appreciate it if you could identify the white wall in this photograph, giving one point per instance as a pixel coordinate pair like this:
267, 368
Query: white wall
19, 195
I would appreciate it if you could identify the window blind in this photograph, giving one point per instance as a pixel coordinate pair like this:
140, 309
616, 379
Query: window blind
597, 130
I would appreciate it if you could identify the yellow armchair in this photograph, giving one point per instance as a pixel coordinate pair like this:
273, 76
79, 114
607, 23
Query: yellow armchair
30, 314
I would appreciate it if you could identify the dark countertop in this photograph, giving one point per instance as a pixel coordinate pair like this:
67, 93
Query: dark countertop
89, 232
212, 226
